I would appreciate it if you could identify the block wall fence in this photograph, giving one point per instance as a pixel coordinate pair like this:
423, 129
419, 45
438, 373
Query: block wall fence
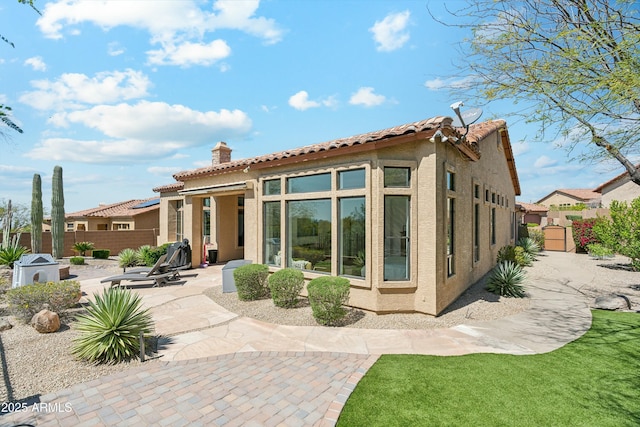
115, 241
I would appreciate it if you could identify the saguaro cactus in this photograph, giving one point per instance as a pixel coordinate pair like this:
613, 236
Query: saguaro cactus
36, 215
57, 214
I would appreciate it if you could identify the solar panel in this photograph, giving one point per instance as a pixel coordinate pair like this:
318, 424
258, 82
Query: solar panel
147, 204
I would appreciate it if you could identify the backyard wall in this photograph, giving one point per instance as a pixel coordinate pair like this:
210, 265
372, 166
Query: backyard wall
115, 241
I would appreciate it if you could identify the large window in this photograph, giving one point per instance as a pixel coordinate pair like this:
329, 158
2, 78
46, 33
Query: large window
352, 236
309, 183
309, 234
240, 222
179, 220
272, 251
451, 217
396, 237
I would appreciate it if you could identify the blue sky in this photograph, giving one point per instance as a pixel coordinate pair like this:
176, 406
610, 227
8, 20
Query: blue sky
123, 94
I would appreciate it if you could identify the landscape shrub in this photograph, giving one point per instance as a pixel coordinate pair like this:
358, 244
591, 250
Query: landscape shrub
83, 247
621, 233
76, 260
127, 258
573, 217
583, 234
285, 286
110, 330
27, 300
327, 295
143, 254
515, 254
150, 255
101, 253
251, 281
505, 279
599, 251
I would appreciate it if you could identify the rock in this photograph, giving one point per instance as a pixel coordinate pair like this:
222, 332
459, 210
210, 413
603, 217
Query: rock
612, 302
46, 321
4, 324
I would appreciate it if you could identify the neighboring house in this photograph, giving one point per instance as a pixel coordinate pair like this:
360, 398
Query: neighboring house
620, 188
410, 215
567, 198
139, 214
530, 213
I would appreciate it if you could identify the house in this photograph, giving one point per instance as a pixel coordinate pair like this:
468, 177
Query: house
567, 198
412, 215
137, 214
620, 188
530, 213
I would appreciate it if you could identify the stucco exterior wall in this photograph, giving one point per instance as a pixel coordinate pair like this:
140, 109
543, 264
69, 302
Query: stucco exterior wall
622, 190
557, 199
430, 288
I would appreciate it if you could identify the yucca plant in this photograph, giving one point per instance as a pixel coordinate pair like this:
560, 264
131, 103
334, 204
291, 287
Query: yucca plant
144, 253
11, 254
530, 246
127, 258
505, 280
110, 331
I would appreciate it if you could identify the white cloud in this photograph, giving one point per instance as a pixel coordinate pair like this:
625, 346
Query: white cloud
365, 96
300, 101
450, 83
74, 90
390, 33
140, 132
187, 54
520, 147
36, 63
114, 49
178, 26
544, 162
163, 170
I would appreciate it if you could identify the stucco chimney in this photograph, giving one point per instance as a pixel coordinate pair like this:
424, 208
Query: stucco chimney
220, 154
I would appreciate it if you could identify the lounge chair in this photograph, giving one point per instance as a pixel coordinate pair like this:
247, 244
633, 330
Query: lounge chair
155, 274
179, 259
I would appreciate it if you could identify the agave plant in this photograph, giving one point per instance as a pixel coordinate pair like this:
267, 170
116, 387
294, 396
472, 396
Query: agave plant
505, 280
110, 331
11, 253
530, 246
127, 258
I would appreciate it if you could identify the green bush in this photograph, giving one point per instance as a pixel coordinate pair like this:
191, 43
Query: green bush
515, 254
143, 253
327, 295
621, 233
148, 255
110, 331
127, 258
101, 253
285, 286
76, 260
251, 281
599, 251
505, 280
11, 254
83, 247
27, 300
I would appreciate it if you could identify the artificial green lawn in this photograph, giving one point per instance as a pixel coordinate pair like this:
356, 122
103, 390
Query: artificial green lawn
593, 381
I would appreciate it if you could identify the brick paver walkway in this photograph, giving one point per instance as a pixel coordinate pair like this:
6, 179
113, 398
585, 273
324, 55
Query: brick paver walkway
242, 389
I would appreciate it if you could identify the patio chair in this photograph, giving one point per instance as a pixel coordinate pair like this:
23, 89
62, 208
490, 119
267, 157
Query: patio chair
154, 274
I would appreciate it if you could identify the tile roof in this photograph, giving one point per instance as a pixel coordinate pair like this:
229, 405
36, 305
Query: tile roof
470, 148
120, 209
584, 194
531, 207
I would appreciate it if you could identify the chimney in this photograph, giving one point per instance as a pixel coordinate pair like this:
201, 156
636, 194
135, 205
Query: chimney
220, 154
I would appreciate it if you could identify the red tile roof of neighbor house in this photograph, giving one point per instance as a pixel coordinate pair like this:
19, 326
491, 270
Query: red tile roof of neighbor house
612, 180
120, 209
531, 207
372, 140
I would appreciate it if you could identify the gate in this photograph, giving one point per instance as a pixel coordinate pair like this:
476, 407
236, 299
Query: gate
555, 238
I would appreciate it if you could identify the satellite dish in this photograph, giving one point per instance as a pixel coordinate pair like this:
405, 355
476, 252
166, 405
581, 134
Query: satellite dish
465, 118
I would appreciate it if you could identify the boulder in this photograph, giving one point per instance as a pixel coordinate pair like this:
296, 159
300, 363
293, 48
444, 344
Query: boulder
612, 302
4, 324
46, 321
